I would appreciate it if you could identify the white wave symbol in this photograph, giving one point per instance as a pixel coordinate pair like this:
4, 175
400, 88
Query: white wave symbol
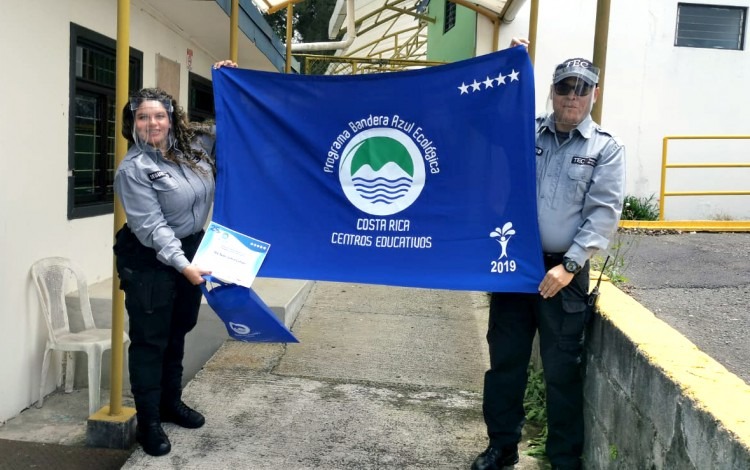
386, 186
239, 328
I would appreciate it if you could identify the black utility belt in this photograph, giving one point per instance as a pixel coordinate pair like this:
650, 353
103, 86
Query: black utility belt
129, 248
554, 257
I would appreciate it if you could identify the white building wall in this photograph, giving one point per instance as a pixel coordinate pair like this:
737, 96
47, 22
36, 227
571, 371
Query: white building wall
34, 139
654, 89
33, 183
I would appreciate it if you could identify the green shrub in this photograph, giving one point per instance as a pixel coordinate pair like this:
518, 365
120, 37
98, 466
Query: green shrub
640, 208
535, 405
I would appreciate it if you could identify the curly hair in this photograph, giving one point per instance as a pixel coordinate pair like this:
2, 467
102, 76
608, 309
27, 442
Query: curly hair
183, 132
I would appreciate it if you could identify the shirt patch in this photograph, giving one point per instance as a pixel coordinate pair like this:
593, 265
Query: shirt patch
158, 175
583, 161
539, 151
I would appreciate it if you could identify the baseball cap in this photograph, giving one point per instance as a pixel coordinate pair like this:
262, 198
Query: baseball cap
578, 68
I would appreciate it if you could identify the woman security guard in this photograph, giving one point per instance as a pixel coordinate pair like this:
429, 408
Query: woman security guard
166, 186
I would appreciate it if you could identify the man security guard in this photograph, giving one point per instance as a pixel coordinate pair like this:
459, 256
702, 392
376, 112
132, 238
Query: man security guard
580, 179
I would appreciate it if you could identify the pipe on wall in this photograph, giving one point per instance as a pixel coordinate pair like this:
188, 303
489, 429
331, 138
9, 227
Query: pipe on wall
351, 34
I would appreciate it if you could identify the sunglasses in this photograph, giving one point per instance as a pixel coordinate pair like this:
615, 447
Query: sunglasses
580, 88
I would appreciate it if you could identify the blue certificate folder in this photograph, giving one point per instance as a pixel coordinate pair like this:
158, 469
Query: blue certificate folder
245, 315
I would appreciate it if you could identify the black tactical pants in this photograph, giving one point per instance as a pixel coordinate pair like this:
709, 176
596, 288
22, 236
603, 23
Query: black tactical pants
162, 308
514, 319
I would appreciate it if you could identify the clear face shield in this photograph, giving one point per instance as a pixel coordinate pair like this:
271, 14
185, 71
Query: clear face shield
152, 124
573, 93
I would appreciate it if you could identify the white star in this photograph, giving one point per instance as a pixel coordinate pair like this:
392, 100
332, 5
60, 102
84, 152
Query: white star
501, 79
475, 86
514, 76
488, 83
464, 88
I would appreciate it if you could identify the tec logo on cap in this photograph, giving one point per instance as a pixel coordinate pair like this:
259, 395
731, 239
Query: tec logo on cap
578, 63
578, 68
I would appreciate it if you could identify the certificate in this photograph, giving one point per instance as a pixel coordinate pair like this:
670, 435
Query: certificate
231, 256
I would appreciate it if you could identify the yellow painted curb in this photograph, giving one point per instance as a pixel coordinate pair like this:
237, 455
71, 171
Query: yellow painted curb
709, 384
689, 225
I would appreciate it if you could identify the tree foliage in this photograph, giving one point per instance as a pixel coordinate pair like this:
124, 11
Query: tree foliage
310, 21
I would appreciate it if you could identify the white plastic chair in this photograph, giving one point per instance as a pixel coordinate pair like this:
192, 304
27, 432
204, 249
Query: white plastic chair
52, 276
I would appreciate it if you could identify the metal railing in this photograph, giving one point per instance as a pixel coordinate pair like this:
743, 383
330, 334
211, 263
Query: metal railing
335, 65
665, 166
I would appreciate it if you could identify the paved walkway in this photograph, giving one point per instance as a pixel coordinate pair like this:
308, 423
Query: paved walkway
384, 378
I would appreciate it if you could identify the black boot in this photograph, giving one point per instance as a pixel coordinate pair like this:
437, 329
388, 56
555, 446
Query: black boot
494, 458
152, 438
180, 414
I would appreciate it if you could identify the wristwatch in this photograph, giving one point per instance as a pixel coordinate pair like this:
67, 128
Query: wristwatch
571, 266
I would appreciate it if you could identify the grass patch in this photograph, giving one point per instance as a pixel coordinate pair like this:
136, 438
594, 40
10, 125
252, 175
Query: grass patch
618, 251
535, 405
640, 208
613, 452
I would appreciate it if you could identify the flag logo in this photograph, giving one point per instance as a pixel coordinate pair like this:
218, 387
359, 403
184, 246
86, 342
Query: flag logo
502, 236
382, 171
239, 328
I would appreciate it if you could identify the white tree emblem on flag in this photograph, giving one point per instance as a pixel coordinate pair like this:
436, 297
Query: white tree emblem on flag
503, 237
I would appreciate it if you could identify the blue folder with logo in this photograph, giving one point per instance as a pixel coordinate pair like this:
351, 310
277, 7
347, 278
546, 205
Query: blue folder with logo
246, 317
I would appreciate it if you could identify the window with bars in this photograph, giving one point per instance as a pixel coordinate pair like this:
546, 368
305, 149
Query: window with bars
710, 26
200, 98
92, 132
449, 20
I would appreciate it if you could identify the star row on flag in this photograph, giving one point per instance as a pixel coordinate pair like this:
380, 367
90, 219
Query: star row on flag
488, 82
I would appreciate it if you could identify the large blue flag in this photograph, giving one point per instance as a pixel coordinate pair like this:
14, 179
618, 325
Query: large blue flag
422, 178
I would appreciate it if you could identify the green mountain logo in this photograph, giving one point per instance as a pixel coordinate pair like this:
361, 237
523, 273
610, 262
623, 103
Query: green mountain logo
382, 171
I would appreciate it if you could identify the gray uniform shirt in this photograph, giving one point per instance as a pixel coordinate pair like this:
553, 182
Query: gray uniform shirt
580, 188
163, 201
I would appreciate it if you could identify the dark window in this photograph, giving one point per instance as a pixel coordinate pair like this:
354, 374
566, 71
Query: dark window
91, 153
710, 26
200, 98
450, 16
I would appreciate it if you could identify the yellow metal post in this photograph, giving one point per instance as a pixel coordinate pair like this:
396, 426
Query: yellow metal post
122, 66
496, 34
234, 27
601, 37
536, 355
289, 30
533, 18
663, 176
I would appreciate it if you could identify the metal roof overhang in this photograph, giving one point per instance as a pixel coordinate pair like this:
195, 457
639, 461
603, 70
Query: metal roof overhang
394, 29
206, 23
385, 29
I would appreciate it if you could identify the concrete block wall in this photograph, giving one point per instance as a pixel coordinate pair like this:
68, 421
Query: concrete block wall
653, 400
